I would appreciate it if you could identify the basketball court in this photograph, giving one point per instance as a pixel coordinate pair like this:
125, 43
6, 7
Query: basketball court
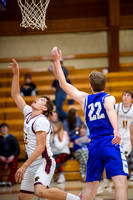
75, 187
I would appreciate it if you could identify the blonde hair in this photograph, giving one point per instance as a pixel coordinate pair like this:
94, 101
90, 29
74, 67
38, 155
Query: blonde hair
60, 128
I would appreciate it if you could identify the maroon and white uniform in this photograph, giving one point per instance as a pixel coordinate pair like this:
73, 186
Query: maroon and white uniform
125, 119
42, 169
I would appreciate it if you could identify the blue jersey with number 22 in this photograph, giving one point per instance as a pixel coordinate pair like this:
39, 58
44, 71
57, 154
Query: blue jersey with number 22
96, 117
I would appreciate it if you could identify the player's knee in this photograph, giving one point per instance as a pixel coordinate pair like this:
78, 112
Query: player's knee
53, 190
40, 192
121, 184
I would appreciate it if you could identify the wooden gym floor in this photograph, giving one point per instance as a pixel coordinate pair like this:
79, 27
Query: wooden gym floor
75, 187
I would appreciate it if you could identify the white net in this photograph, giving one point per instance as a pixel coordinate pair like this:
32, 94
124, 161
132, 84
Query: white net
33, 13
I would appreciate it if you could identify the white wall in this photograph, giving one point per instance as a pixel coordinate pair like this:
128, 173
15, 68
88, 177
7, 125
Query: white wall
126, 44
69, 43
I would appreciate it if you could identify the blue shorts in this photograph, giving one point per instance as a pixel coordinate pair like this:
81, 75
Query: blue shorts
104, 154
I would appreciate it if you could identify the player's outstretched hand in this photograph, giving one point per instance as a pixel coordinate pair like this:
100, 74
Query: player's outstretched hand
55, 55
14, 66
116, 140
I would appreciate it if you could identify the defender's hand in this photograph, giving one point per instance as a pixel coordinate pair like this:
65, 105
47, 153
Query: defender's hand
55, 55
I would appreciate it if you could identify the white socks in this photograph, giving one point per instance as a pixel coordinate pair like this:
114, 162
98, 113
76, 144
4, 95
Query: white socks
106, 181
72, 197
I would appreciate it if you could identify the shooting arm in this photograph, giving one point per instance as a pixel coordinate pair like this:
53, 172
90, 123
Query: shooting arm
68, 88
15, 91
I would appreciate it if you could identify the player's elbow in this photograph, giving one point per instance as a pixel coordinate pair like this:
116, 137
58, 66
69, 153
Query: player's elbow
14, 96
63, 85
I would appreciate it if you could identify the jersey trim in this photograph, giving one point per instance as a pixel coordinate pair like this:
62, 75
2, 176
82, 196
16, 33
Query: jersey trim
107, 95
25, 191
85, 105
37, 183
35, 121
28, 119
28, 114
48, 164
125, 112
32, 127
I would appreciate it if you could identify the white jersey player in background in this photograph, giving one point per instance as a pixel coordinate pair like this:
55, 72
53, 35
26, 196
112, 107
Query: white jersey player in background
125, 118
125, 122
36, 173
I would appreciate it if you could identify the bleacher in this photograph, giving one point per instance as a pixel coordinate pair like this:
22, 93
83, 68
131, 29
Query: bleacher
117, 82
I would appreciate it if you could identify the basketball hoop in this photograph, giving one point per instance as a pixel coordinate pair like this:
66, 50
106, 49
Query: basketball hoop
33, 13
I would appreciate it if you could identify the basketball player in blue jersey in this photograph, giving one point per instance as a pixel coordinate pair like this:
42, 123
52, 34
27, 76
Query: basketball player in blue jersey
101, 118
37, 171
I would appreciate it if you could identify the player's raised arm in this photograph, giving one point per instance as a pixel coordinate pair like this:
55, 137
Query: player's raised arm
15, 90
68, 88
